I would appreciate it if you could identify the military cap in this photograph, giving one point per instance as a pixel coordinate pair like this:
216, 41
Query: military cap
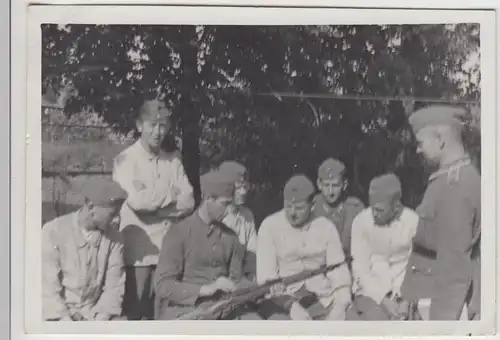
217, 183
154, 110
384, 188
437, 115
234, 169
298, 188
331, 168
103, 192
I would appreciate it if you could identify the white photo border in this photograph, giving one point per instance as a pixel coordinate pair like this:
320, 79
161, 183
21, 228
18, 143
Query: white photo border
26, 241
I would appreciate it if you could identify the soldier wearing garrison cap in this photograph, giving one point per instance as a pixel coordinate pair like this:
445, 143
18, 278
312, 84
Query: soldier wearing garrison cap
159, 193
200, 256
332, 201
93, 289
293, 240
444, 268
382, 238
239, 217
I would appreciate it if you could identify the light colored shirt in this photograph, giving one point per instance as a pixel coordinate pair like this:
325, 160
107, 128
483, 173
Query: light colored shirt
79, 275
380, 253
283, 250
151, 182
242, 222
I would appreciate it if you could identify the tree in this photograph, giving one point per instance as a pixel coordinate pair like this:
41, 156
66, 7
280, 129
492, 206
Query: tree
212, 77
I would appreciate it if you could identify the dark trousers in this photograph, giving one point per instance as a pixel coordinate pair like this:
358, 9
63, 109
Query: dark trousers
138, 302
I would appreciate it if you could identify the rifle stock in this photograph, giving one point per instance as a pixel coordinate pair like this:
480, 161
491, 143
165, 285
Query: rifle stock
241, 296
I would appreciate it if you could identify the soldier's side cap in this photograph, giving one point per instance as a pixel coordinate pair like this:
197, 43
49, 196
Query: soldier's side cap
104, 192
298, 188
437, 115
384, 188
155, 109
234, 169
217, 183
331, 168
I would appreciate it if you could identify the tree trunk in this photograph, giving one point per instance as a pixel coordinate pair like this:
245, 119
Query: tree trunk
190, 112
190, 144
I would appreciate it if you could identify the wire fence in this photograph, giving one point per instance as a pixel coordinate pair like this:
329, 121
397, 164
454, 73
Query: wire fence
86, 151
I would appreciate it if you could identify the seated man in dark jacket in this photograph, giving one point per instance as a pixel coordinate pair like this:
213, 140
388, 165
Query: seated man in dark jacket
200, 257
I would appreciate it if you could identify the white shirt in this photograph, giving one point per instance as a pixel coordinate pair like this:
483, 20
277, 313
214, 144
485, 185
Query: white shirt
283, 250
380, 253
78, 274
242, 222
163, 182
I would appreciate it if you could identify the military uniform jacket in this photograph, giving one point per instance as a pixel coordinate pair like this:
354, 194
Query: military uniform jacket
342, 216
194, 254
441, 266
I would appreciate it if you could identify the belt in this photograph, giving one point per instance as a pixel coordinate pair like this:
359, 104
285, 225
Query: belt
427, 253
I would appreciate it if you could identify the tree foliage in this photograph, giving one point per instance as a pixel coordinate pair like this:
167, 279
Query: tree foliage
212, 77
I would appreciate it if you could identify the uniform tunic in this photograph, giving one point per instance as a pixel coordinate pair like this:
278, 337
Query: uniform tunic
381, 253
194, 254
79, 275
283, 250
342, 216
164, 182
242, 222
445, 262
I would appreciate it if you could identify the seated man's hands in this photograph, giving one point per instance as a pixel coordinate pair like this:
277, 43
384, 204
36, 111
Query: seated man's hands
277, 289
222, 283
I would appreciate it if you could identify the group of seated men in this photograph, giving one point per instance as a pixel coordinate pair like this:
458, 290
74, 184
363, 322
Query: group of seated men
138, 249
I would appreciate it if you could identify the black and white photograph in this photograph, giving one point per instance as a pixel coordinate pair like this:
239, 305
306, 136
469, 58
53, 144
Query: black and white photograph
302, 172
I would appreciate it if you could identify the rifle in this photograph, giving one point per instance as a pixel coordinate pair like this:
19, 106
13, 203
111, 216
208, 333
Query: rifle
231, 301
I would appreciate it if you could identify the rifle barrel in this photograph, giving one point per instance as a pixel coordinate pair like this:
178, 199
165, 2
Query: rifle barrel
251, 293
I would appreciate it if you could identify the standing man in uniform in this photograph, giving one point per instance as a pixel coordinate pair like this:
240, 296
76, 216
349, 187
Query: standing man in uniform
333, 203
159, 193
445, 266
201, 257
382, 237
83, 276
293, 240
239, 217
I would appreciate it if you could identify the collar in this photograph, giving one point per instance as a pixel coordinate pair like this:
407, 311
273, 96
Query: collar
452, 170
396, 218
210, 227
305, 227
328, 208
92, 238
146, 153
333, 210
